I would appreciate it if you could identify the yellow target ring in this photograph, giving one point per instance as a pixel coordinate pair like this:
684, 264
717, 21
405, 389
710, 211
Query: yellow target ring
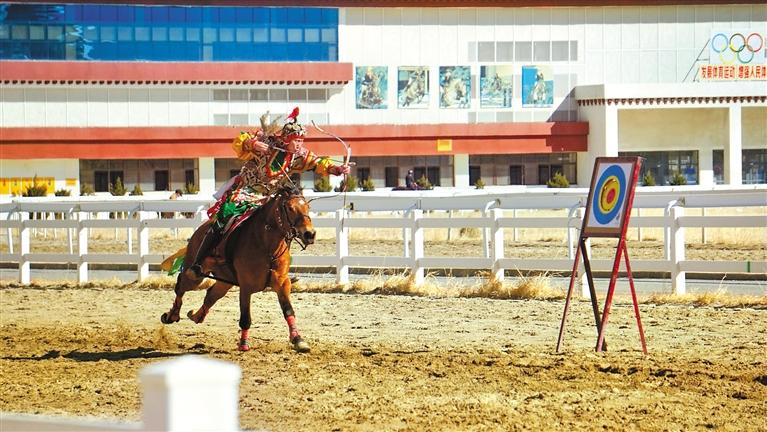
608, 196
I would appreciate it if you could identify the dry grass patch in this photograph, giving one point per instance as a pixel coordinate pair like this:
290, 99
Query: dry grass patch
522, 288
718, 298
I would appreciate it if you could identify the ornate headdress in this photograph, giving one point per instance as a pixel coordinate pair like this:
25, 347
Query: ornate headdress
292, 128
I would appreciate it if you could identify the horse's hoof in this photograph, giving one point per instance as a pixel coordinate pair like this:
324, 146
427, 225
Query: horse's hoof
300, 345
243, 345
190, 315
165, 319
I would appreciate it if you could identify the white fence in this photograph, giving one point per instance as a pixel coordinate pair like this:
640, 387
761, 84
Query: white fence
417, 211
190, 393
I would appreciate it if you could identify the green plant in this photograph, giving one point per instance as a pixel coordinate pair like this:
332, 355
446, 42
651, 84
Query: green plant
37, 189
368, 185
424, 183
349, 184
63, 192
117, 189
558, 181
87, 189
137, 190
322, 184
648, 179
191, 188
677, 179
479, 184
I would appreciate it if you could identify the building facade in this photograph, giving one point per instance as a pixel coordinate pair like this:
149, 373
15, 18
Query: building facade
510, 93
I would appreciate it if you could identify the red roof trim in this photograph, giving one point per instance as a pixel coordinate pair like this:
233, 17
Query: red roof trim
366, 140
77, 72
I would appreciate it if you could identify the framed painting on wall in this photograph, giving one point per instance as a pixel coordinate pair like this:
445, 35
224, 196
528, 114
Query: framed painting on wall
495, 86
455, 87
537, 86
412, 87
371, 86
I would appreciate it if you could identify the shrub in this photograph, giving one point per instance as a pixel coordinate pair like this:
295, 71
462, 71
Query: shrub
36, 189
677, 179
558, 181
349, 184
63, 192
479, 184
87, 189
648, 179
424, 183
118, 189
322, 184
367, 185
191, 188
137, 190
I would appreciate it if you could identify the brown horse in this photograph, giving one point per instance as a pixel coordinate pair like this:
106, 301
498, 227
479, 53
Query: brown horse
257, 256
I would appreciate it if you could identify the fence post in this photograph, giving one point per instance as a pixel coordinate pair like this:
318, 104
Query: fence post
342, 247
143, 247
677, 251
82, 250
24, 265
191, 393
416, 241
497, 245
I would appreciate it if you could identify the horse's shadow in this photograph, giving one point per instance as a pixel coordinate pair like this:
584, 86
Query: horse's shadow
133, 353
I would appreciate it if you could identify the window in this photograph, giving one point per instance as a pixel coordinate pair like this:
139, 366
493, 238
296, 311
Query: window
161, 180
101, 181
718, 156
754, 166
189, 177
363, 173
516, 174
474, 174
663, 165
392, 176
431, 173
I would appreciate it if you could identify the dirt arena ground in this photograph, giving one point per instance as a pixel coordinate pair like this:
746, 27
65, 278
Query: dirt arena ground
384, 363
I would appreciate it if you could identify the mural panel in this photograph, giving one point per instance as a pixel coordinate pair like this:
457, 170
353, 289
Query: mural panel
413, 87
455, 87
495, 86
371, 85
537, 86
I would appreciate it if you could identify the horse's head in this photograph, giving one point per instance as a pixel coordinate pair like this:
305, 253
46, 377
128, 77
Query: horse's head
293, 215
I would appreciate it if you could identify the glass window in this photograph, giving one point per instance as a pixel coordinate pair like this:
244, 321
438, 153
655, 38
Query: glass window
160, 34
259, 95
19, 32
176, 34
220, 95
36, 32
297, 95
278, 95
243, 34
754, 166
238, 94
312, 35
260, 35
193, 34
278, 35
718, 156
124, 33
142, 34
523, 51
226, 34
574, 50
209, 35
4, 31
108, 33
542, 51
295, 35
221, 119
329, 35
504, 51
560, 51
486, 51
318, 95
238, 119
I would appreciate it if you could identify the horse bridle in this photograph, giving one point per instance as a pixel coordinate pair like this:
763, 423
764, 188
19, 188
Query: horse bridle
290, 232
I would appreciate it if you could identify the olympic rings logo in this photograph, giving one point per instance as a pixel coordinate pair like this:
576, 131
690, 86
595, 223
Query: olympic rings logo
737, 46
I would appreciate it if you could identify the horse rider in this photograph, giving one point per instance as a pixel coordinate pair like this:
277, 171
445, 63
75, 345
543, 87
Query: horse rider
270, 159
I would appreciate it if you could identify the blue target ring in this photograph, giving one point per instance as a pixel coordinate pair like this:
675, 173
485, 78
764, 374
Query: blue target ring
612, 172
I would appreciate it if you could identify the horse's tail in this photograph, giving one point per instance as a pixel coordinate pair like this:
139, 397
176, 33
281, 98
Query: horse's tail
173, 263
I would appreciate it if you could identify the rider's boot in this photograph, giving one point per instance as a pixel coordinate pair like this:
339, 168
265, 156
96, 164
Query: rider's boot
208, 241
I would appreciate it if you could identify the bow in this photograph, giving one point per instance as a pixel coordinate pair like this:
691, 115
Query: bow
348, 148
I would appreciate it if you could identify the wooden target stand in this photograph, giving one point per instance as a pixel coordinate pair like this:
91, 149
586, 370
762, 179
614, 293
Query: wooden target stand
608, 208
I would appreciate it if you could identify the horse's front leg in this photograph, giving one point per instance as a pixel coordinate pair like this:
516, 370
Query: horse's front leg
281, 284
173, 315
245, 319
212, 295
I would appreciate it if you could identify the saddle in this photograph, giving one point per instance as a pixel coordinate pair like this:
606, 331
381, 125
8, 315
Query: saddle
219, 251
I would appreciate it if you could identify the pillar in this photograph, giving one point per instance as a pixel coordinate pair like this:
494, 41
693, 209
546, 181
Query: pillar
207, 173
461, 170
733, 157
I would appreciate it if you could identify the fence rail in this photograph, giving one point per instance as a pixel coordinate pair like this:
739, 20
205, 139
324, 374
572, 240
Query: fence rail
414, 212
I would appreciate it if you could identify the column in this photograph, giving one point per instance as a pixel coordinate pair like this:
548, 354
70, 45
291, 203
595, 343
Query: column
706, 167
461, 170
207, 173
603, 138
733, 165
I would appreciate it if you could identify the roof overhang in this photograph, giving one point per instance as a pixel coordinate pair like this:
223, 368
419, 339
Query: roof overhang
159, 73
365, 140
709, 94
414, 3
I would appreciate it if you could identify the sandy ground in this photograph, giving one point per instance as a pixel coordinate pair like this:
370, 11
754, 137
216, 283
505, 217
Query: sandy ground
395, 362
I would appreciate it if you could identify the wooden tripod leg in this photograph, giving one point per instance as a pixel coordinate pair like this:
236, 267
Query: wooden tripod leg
573, 275
634, 298
592, 288
610, 292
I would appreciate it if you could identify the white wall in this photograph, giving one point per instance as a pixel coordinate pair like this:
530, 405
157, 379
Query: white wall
60, 169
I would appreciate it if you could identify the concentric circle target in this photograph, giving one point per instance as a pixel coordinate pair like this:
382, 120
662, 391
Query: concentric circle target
609, 193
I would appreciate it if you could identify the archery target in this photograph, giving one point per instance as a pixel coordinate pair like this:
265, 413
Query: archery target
609, 196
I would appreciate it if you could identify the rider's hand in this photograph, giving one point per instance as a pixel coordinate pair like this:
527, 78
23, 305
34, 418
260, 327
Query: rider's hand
255, 146
339, 170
